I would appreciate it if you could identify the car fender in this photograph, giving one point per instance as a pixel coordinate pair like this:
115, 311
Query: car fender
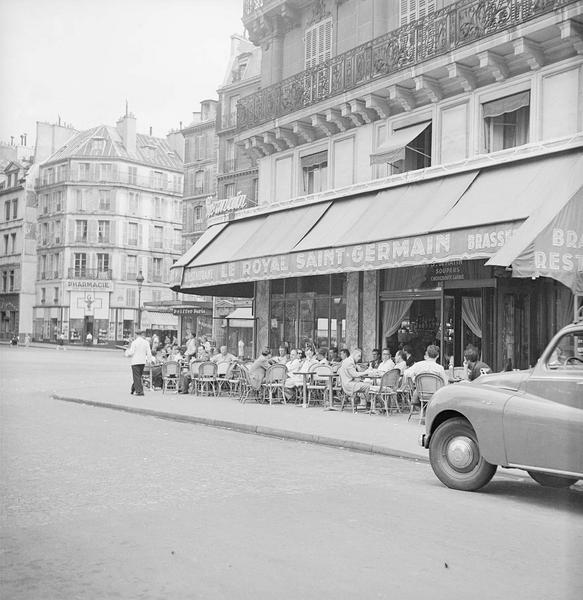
482, 405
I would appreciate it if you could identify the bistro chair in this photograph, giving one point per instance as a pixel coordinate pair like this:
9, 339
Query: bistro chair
247, 390
318, 387
273, 383
426, 384
387, 392
147, 378
194, 367
227, 381
207, 378
170, 374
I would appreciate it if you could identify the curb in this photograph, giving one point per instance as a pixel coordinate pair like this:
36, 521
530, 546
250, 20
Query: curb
273, 432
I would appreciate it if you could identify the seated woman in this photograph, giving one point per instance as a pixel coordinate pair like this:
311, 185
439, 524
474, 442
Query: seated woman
156, 369
293, 382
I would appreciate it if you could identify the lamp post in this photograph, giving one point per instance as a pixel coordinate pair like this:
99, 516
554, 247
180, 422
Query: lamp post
139, 281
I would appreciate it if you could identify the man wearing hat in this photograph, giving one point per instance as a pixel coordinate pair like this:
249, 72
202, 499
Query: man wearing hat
140, 353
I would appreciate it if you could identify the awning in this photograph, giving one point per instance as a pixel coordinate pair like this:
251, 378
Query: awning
469, 215
394, 148
549, 243
241, 317
158, 320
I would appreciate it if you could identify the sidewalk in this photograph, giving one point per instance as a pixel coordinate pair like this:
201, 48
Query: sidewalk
393, 435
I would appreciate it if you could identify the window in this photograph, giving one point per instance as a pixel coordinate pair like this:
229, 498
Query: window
254, 189
56, 295
58, 231
198, 214
11, 281
132, 175
80, 264
229, 190
58, 201
13, 243
102, 262
132, 234
315, 172
157, 269
80, 200
134, 202
84, 171
97, 146
43, 295
158, 232
15, 209
318, 43
130, 297
104, 199
7, 210
51, 175
506, 122
132, 267
4, 281
61, 172
103, 230
411, 10
81, 231
105, 171
158, 180
157, 206
198, 183
407, 149
177, 239
44, 235
6, 238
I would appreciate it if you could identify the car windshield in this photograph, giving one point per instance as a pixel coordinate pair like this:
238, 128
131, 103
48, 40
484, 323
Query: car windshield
568, 352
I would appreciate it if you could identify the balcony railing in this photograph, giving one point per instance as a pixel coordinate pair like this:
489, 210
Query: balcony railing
75, 176
436, 34
75, 273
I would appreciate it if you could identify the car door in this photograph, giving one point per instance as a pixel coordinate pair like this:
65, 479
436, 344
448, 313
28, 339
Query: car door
543, 422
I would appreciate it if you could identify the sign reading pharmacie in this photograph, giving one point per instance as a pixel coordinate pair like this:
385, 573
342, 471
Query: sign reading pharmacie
479, 242
96, 285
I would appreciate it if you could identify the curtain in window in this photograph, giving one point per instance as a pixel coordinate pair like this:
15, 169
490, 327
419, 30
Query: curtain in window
395, 310
393, 313
472, 314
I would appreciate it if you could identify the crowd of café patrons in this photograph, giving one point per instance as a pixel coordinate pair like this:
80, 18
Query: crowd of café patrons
357, 377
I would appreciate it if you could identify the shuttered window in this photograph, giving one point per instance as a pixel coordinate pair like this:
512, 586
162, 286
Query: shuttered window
411, 10
318, 43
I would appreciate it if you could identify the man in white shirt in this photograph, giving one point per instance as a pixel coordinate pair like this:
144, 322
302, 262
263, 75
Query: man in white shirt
351, 378
190, 346
386, 363
140, 353
223, 359
427, 365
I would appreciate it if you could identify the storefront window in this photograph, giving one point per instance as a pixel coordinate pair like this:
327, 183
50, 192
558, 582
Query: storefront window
308, 310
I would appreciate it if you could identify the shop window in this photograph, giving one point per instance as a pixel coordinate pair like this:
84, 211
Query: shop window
411, 10
315, 172
506, 122
318, 43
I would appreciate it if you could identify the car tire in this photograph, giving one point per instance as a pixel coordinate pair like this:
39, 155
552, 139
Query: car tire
554, 481
455, 456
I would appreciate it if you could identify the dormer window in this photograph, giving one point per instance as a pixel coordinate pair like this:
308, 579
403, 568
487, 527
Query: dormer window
97, 145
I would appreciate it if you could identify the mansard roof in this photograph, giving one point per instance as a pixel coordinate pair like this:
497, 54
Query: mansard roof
150, 150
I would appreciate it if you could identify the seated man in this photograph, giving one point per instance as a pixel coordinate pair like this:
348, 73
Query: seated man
427, 365
283, 356
223, 359
333, 357
475, 367
351, 377
376, 359
258, 369
387, 363
294, 382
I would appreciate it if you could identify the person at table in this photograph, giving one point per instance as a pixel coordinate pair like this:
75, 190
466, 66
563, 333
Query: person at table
376, 359
350, 377
429, 364
321, 358
408, 355
386, 363
156, 369
295, 361
258, 369
333, 356
282, 357
296, 381
475, 366
400, 361
223, 359
190, 346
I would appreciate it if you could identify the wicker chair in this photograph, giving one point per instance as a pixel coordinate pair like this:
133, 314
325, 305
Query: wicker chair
387, 392
426, 384
273, 383
318, 387
207, 378
170, 374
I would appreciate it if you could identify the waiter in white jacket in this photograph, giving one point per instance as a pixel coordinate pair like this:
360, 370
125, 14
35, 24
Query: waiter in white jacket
140, 353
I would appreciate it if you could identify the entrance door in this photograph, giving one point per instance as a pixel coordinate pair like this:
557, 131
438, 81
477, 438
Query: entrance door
463, 323
88, 327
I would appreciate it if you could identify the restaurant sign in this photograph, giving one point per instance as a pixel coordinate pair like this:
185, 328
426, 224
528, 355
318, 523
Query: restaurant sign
219, 207
191, 310
479, 242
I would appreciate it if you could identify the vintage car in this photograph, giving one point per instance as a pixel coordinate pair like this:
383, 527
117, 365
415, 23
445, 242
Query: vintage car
531, 420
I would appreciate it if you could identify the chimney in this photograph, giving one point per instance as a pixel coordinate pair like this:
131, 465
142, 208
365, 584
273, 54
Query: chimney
126, 127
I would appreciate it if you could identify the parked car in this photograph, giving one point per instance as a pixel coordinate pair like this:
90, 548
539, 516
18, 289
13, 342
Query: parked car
531, 420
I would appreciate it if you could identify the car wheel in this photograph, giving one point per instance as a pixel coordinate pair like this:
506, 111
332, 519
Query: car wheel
555, 481
455, 456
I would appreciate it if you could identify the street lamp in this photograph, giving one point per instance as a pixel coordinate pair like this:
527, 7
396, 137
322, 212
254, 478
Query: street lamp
139, 281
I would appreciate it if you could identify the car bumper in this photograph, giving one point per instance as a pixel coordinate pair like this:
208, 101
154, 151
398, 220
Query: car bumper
423, 440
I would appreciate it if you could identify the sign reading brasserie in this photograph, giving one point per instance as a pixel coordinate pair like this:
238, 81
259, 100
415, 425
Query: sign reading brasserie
218, 207
424, 249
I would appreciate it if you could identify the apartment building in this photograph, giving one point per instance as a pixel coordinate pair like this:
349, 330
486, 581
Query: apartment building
109, 227
420, 171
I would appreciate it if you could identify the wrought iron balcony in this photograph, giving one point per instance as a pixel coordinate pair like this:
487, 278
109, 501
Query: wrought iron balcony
438, 33
80, 273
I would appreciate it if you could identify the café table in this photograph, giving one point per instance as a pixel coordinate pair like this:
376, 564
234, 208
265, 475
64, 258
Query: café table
306, 377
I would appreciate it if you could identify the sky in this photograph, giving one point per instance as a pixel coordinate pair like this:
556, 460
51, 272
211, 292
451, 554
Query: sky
82, 59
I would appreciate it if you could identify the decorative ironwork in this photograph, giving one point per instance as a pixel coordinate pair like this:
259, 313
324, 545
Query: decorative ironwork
438, 33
